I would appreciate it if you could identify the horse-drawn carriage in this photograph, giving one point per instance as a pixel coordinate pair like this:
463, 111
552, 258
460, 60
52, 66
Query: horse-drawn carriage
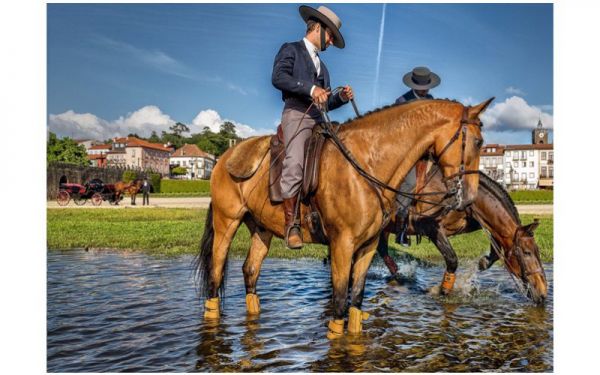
94, 190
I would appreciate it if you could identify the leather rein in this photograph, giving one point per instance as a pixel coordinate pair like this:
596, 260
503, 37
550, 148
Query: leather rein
454, 182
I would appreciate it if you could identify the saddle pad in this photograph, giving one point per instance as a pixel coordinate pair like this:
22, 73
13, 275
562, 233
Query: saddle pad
246, 156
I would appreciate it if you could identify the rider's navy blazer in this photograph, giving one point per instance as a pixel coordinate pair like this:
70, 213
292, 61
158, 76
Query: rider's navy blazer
294, 73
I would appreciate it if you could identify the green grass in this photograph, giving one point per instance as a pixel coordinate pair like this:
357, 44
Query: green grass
532, 196
174, 231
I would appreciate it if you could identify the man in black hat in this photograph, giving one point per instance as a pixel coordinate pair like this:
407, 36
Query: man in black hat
303, 80
420, 80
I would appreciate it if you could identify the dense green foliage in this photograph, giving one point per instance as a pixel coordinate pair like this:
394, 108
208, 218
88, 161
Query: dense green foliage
177, 231
532, 196
155, 181
179, 171
185, 186
65, 150
129, 176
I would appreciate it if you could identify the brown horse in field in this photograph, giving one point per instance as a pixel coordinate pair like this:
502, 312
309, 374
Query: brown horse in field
492, 210
132, 188
386, 143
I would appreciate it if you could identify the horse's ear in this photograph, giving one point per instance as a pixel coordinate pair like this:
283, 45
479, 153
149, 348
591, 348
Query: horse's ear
529, 228
475, 111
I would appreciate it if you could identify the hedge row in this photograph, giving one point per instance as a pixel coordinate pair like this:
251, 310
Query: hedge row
185, 186
532, 196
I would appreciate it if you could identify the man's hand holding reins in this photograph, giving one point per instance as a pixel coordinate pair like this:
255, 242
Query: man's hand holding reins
320, 95
347, 93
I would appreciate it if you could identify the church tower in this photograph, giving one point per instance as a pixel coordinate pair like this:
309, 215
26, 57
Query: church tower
539, 135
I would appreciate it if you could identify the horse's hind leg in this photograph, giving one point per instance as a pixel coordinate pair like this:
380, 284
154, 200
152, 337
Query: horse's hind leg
261, 241
360, 267
224, 229
440, 240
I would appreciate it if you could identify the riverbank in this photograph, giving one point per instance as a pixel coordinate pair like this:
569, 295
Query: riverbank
174, 231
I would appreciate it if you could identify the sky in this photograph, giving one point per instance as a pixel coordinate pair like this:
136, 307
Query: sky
115, 69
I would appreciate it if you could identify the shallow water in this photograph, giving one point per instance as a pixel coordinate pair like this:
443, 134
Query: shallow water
116, 311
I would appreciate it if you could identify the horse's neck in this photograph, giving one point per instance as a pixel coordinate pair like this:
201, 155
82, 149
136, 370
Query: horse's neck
393, 147
493, 214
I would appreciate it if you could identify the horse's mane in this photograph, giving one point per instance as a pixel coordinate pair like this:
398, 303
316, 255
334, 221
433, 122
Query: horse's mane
408, 105
499, 193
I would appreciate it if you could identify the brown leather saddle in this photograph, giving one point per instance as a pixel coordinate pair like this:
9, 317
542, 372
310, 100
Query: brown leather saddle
312, 157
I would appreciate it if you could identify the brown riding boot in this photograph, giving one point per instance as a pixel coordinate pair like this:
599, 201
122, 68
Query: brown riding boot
293, 237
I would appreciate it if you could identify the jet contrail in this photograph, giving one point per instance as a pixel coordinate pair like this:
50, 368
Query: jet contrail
381, 27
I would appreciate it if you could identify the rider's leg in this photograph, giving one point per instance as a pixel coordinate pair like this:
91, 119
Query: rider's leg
407, 186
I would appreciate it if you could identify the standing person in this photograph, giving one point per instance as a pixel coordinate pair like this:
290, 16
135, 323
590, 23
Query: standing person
146, 192
303, 78
420, 80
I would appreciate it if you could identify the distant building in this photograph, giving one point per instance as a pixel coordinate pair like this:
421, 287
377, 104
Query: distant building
199, 164
519, 167
137, 153
97, 154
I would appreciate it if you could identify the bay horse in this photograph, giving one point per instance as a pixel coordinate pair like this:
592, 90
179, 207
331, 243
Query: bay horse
132, 188
386, 143
492, 210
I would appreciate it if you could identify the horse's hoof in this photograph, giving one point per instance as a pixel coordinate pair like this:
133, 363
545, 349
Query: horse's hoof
335, 329
483, 264
211, 308
355, 320
252, 304
448, 283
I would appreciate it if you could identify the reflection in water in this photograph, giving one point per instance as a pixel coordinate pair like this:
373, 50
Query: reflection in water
110, 311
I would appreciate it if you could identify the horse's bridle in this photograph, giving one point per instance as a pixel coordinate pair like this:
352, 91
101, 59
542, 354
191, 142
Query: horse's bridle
518, 252
454, 182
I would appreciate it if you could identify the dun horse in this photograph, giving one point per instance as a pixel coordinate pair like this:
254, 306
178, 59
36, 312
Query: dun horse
493, 210
386, 143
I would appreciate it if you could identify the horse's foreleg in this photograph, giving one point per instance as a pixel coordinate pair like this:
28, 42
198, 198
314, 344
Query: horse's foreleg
487, 261
362, 261
382, 250
341, 261
261, 241
440, 240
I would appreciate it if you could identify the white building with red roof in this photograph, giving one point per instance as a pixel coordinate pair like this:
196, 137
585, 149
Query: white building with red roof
199, 164
137, 153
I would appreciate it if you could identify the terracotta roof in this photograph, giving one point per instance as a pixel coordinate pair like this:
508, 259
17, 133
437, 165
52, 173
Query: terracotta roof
546, 146
100, 147
190, 150
96, 156
136, 142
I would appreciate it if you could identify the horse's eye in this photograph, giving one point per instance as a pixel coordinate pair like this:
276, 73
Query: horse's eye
527, 252
479, 143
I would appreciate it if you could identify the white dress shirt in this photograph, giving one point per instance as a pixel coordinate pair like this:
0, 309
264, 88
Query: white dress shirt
312, 51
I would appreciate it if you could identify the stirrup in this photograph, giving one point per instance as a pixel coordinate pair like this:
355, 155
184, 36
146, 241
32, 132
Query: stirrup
287, 237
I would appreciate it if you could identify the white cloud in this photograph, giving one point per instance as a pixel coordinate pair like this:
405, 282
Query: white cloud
87, 125
514, 91
213, 120
514, 114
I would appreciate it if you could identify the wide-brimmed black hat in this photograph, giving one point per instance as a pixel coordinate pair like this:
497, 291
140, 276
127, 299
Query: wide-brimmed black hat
421, 78
328, 18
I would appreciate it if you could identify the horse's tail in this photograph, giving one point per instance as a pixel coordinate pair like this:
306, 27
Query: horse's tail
203, 261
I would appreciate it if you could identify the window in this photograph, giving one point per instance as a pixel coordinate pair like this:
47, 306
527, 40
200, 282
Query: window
531, 153
507, 165
551, 155
516, 164
551, 172
544, 172
531, 164
524, 176
507, 153
530, 175
543, 155
523, 154
524, 164
516, 176
499, 159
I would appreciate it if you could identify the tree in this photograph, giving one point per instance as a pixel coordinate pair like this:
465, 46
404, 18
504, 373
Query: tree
179, 128
154, 137
179, 171
65, 150
227, 129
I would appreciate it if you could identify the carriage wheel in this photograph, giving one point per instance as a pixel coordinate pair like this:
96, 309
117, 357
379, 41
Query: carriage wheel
79, 200
97, 199
63, 198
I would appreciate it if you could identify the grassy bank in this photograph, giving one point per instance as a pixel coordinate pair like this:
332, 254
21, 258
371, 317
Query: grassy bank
532, 196
170, 231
